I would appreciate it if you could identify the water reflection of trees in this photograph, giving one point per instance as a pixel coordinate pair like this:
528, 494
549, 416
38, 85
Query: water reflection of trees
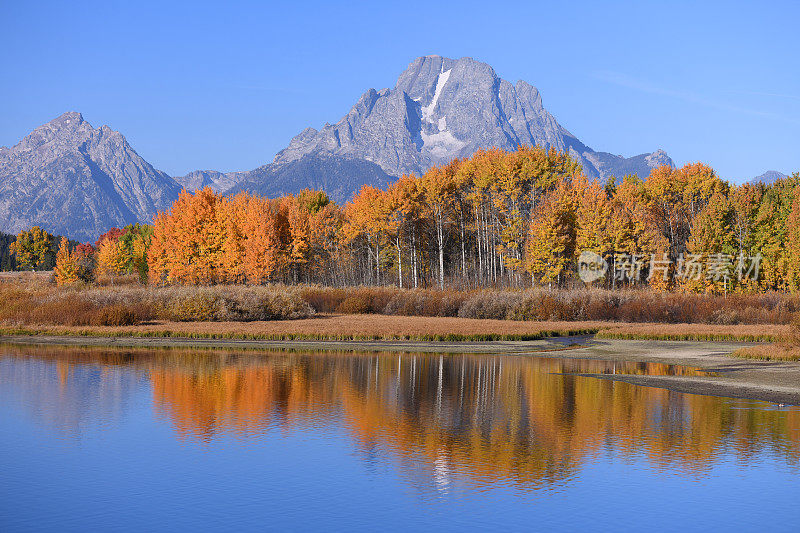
522, 421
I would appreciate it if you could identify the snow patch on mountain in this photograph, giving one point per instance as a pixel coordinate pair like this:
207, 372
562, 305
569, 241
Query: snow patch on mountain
441, 80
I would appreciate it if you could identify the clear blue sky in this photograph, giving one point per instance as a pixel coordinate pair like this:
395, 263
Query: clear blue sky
225, 86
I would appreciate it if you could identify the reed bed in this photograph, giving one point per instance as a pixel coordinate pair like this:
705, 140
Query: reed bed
566, 305
695, 332
342, 327
779, 351
41, 303
27, 300
787, 347
385, 328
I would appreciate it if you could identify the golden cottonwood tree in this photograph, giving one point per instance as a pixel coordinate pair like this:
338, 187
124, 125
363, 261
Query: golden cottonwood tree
478, 222
551, 244
712, 240
66, 269
111, 258
33, 248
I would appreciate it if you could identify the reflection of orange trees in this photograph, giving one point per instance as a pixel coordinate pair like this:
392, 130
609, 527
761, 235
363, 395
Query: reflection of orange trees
243, 400
512, 419
488, 417
525, 421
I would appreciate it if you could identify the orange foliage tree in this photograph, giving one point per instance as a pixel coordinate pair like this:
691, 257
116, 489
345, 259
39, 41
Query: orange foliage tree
483, 221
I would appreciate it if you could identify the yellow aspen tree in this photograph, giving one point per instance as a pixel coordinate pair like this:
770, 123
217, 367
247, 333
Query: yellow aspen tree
771, 229
712, 241
66, 269
299, 210
33, 248
594, 214
159, 255
231, 212
637, 229
438, 188
365, 218
111, 260
551, 240
261, 240
793, 244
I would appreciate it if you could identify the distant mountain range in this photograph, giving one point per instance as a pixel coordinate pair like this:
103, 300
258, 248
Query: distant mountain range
769, 177
79, 181
440, 109
73, 179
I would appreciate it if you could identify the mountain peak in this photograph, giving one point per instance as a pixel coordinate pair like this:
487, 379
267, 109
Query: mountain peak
769, 177
79, 181
443, 108
70, 118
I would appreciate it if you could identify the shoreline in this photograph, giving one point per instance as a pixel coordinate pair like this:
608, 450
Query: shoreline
772, 381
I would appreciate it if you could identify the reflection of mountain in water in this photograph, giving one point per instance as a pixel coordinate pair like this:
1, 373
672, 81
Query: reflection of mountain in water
67, 397
486, 419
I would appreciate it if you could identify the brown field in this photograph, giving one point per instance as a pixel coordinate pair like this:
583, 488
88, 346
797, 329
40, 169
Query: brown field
694, 332
384, 327
30, 303
779, 351
344, 327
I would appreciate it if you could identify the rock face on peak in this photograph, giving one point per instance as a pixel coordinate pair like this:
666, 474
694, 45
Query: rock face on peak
199, 179
75, 180
769, 177
440, 108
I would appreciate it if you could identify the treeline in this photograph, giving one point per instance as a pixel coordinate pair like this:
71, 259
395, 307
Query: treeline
7, 261
509, 219
33, 249
497, 219
116, 252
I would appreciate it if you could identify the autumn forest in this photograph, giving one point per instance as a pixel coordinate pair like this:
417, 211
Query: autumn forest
497, 219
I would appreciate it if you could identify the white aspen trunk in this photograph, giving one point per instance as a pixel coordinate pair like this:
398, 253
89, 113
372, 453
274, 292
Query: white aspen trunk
463, 250
440, 236
479, 273
414, 256
399, 262
377, 262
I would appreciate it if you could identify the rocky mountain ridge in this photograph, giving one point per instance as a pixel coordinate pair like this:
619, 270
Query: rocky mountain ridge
443, 108
77, 180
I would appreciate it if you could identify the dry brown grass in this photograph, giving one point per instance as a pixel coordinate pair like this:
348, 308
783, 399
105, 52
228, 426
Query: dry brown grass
327, 326
697, 332
33, 301
786, 349
384, 327
779, 351
36, 302
542, 304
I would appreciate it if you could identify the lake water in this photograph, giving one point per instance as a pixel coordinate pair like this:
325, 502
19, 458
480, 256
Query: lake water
99, 439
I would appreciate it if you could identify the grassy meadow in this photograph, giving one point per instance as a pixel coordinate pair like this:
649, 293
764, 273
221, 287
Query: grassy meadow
32, 303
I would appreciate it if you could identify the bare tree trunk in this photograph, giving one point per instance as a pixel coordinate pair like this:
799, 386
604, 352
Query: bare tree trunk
414, 256
440, 238
463, 249
399, 262
479, 273
377, 262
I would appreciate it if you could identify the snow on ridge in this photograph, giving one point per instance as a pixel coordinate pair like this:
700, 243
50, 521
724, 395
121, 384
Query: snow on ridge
442, 145
441, 80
